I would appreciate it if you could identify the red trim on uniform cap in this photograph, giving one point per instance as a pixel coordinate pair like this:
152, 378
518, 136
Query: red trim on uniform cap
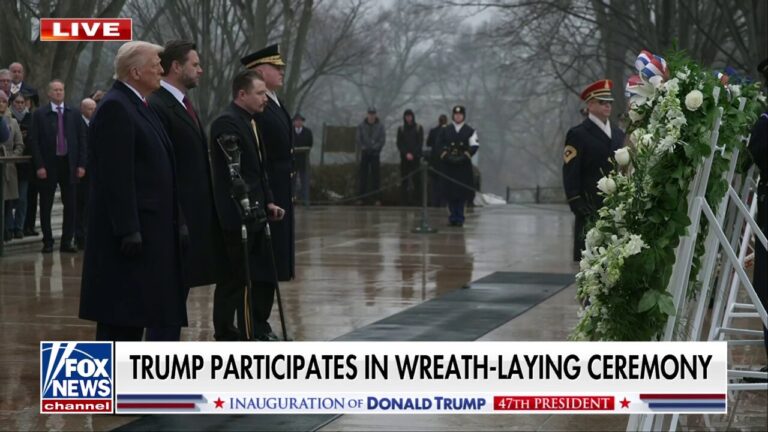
600, 87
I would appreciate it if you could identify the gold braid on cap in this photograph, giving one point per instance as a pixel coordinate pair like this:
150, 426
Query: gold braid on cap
273, 60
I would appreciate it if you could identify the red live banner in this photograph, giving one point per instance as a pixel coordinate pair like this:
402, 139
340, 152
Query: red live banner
553, 403
86, 29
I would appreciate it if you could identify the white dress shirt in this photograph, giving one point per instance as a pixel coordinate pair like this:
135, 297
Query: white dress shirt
135, 91
178, 94
605, 127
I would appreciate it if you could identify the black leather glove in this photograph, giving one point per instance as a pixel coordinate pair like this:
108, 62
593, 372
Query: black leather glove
184, 238
131, 245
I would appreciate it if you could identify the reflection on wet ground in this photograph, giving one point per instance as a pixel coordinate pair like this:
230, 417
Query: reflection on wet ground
355, 266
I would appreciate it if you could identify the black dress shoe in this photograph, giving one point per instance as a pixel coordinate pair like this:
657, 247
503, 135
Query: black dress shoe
47, 249
68, 249
30, 233
18, 234
266, 337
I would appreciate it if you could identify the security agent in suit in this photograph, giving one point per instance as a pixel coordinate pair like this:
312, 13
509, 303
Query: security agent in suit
589, 149
276, 129
249, 97
132, 264
57, 139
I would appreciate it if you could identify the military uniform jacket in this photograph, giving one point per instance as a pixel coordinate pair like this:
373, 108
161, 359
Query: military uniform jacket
587, 158
277, 132
456, 160
236, 121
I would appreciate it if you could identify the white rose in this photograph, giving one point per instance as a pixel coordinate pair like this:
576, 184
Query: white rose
622, 156
693, 100
656, 81
606, 185
635, 116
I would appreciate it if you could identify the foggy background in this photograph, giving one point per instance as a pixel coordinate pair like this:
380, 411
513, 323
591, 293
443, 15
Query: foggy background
518, 66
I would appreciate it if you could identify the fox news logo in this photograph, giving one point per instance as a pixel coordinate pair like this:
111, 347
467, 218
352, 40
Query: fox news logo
76, 377
85, 29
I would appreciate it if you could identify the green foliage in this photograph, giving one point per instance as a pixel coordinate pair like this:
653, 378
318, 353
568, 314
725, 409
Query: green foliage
624, 284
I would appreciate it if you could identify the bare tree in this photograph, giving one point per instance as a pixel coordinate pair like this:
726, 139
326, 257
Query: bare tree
19, 29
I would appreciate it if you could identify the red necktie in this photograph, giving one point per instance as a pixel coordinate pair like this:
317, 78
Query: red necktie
190, 109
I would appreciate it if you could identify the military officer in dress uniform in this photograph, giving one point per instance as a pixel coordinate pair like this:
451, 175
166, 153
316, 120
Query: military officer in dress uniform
457, 142
589, 149
276, 128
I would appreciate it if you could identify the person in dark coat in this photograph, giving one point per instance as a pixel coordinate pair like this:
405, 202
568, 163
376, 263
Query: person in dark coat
758, 149
182, 71
5, 130
589, 150
410, 138
24, 172
18, 85
132, 265
458, 142
249, 94
33, 190
370, 138
434, 162
87, 108
302, 138
276, 129
59, 158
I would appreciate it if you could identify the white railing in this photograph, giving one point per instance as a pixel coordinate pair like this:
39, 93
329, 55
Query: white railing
722, 274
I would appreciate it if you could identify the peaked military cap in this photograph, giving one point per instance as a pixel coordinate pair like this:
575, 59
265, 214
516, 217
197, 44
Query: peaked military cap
459, 109
600, 90
268, 55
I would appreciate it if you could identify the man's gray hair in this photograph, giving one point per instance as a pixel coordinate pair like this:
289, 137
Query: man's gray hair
131, 55
5, 72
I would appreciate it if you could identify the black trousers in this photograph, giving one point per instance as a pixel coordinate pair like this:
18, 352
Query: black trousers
229, 297
435, 190
579, 235
369, 169
81, 213
32, 193
410, 188
47, 191
109, 332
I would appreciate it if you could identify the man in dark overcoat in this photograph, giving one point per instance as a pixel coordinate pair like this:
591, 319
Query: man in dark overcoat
276, 130
132, 265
